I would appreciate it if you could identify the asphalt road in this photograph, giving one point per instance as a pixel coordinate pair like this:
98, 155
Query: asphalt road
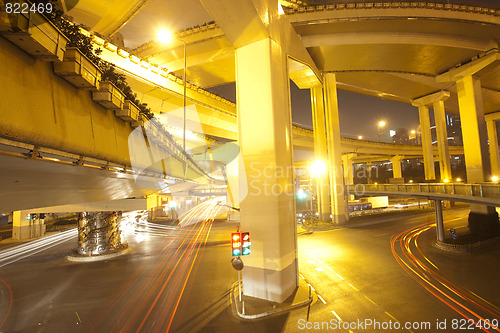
178, 280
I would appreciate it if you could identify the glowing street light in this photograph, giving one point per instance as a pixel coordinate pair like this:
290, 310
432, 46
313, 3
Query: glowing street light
381, 125
318, 168
360, 137
165, 37
495, 178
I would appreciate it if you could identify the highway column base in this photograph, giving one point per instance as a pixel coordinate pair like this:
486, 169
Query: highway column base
484, 226
98, 234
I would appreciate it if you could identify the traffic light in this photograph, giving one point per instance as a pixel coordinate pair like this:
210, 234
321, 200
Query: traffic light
301, 194
245, 247
236, 244
28, 217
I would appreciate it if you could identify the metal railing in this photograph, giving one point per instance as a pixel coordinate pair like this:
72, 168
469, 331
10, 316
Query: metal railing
471, 6
471, 193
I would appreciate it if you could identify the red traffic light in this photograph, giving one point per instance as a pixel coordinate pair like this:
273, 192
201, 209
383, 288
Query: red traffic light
236, 244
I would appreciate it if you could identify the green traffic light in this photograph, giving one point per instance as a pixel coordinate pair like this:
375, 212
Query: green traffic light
236, 252
301, 194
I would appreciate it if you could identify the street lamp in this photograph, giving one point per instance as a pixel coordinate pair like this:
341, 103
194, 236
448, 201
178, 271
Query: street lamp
381, 125
360, 137
165, 37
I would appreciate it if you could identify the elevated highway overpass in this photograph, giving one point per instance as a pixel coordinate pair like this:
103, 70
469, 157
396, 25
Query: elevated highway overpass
425, 54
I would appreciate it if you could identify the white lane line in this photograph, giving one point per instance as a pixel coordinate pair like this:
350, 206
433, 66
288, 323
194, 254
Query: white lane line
387, 313
336, 315
340, 277
321, 298
353, 287
368, 298
328, 267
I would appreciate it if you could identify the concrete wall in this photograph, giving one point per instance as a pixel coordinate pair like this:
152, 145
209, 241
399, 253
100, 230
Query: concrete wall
41, 108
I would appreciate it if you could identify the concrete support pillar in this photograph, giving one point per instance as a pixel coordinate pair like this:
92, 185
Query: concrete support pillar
442, 138
98, 233
153, 202
437, 100
396, 166
320, 152
24, 227
337, 197
439, 220
368, 169
483, 220
493, 146
348, 170
425, 130
265, 138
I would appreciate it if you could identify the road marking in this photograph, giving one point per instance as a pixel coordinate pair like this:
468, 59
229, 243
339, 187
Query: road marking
340, 277
322, 263
301, 276
319, 269
321, 298
336, 315
387, 313
353, 287
368, 298
331, 270
311, 287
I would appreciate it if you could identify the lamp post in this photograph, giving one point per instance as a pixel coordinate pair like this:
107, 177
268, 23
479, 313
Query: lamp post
165, 37
184, 98
381, 125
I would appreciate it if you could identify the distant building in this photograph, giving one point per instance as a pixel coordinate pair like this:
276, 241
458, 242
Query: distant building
400, 136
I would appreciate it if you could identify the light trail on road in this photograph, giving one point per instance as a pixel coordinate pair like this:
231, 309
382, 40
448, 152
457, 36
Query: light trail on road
473, 308
149, 299
24, 250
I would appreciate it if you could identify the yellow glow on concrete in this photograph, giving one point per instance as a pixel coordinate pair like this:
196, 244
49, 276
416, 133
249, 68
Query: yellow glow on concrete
318, 168
164, 36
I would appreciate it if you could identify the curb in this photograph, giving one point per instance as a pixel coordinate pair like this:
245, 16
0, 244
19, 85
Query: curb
78, 258
468, 248
267, 314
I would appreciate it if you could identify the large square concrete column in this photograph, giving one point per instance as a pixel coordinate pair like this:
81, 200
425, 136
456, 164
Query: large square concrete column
491, 124
425, 130
437, 101
396, 166
347, 160
442, 138
24, 228
265, 138
337, 196
483, 220
320, 152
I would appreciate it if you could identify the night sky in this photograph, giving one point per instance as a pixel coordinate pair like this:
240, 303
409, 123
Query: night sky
359, 114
